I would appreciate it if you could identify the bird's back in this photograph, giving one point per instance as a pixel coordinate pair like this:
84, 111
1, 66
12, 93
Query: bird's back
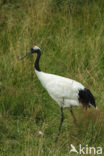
60, 88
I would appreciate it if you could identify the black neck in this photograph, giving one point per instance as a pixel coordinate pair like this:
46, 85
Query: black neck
36, 64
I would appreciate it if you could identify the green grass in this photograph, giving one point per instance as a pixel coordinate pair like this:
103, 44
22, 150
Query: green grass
71, 36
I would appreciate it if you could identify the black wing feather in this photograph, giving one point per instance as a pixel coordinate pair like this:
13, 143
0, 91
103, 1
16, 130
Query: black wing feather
86, 97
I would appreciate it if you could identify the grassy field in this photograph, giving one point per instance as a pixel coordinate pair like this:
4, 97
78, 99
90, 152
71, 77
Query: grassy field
71, 36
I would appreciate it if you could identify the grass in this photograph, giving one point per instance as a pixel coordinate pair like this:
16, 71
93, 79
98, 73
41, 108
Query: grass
71, 36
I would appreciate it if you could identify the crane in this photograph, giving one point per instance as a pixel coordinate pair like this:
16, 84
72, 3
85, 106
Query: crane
66, 92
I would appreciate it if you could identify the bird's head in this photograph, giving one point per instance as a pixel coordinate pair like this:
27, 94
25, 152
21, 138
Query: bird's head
33, 50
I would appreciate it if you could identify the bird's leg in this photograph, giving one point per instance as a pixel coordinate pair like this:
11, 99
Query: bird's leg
75, 121
61, 121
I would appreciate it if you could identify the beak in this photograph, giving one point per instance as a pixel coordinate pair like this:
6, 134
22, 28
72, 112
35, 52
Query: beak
25, 55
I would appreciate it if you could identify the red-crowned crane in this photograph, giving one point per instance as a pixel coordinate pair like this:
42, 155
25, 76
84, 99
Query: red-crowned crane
66, 92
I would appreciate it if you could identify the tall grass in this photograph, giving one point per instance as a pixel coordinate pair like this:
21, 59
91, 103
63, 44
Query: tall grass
71, 36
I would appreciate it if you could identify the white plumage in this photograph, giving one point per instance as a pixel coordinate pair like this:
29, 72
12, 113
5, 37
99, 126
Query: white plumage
66, 92
63, 90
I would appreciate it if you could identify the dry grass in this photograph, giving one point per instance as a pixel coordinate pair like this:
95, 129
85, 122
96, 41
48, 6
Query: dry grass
70, 35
